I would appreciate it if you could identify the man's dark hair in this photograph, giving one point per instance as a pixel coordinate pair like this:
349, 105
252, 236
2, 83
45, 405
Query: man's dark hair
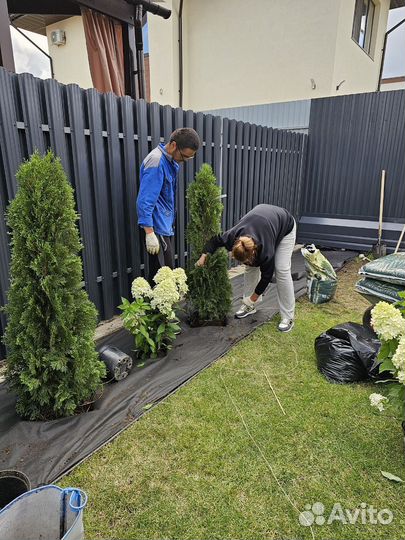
186, 138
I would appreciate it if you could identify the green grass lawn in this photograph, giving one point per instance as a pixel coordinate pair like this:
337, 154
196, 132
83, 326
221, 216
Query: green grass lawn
220, 460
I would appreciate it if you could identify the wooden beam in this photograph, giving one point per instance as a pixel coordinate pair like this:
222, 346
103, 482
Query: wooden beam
118, 9
121, 10
6, 48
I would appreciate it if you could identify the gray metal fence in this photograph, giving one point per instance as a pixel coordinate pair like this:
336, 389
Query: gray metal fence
102, 140
260, 164
351, 140
328, 179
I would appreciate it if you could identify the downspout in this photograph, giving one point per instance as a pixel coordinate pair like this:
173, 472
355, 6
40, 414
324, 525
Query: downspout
181, 54
383, 52
151, 7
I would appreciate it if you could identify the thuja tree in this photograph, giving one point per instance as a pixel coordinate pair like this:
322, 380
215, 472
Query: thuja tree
51, 360
210, 290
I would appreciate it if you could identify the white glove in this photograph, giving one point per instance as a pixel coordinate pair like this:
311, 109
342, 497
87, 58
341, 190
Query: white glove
248, 302
152, 243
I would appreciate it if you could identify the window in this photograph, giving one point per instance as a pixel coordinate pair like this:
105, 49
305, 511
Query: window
363, 23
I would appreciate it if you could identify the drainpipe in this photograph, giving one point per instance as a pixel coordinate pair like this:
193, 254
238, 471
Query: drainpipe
181, 54
156, 9
383, 52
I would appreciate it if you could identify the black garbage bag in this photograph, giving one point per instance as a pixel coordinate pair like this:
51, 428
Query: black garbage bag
347, 353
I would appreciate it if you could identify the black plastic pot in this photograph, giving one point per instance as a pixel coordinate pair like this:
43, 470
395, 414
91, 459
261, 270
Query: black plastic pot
117, 362
12, 485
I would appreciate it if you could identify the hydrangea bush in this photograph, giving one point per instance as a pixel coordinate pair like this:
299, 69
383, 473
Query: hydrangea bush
151, 317
388, 322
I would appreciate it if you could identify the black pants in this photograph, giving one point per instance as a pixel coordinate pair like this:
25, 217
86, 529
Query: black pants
165, 257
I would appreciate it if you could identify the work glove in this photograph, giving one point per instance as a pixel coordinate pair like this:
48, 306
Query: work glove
248, 302
152, 244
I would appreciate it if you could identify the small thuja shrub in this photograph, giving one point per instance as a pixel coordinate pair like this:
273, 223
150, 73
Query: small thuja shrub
210, 292
52, 364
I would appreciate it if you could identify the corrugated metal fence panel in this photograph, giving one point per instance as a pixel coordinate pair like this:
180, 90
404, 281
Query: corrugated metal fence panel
292, 115
351, 140
102, 140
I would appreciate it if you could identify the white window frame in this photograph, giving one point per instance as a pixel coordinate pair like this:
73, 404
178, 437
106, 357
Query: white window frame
363, 23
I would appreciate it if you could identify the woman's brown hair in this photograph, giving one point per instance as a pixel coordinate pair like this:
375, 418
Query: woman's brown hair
244, 250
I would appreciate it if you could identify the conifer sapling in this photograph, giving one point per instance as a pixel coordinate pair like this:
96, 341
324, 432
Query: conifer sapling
210, 292
52, 364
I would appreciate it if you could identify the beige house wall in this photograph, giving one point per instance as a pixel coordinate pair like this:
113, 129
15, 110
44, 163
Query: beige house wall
264, 51
164, 56
70, 61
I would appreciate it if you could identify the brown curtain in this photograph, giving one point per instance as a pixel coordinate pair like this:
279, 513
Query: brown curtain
105, 51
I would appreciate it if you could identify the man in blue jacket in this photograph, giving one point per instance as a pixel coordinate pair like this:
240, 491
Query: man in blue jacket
157, 195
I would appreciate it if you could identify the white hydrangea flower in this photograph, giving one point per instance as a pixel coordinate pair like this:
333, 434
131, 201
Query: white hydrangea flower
181, 281
140, 288
401, 376
165, 295
399, 356
377, 401
387, 321
163, 274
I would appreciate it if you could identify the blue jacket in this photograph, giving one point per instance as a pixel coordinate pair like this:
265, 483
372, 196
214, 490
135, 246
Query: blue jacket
157, 192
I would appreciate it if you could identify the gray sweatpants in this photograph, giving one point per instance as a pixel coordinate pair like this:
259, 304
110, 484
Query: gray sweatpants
285, 285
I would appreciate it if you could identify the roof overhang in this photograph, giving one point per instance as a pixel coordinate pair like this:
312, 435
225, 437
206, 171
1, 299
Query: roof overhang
42, 10
397, 4
35, 15
37, 23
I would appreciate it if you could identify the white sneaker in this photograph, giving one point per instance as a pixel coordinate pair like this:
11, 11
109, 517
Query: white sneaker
286, 325
244, 311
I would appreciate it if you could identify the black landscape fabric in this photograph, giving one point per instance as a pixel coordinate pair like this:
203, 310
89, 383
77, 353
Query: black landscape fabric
45, 451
